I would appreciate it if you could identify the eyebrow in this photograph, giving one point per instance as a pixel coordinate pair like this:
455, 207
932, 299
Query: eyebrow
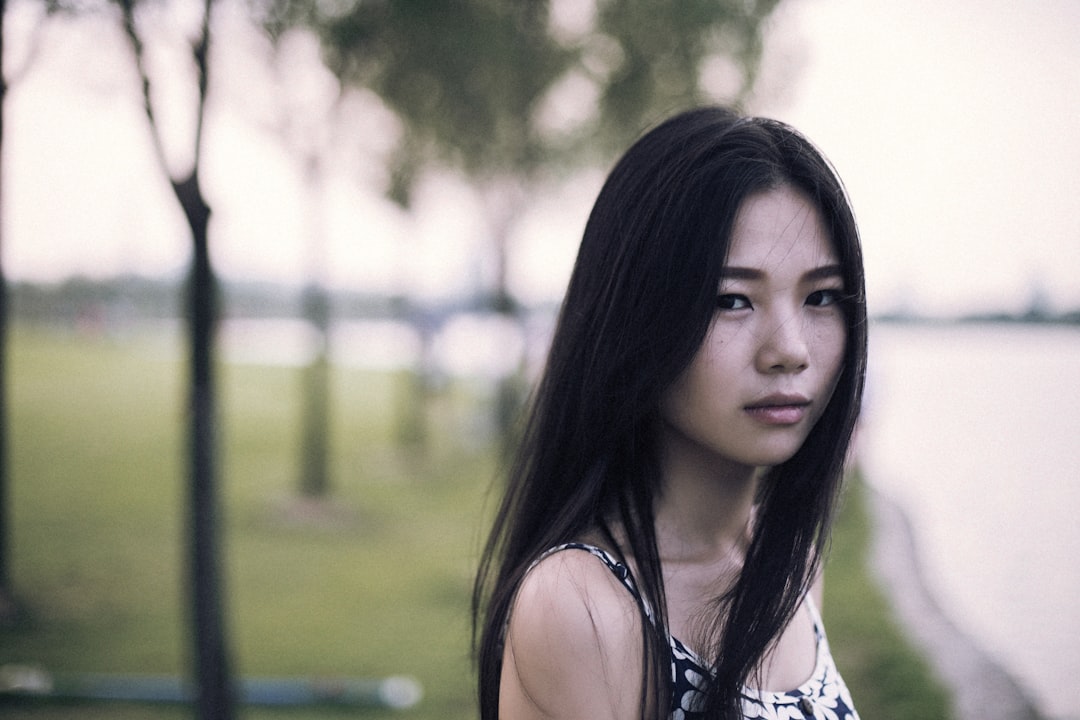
824, 272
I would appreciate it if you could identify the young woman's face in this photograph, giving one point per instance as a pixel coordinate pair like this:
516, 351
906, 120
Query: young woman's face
771, 358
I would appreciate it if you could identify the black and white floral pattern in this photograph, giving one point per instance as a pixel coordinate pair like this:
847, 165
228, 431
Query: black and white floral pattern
823, 697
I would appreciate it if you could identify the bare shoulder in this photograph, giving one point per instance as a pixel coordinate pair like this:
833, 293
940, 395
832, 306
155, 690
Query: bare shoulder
573, 644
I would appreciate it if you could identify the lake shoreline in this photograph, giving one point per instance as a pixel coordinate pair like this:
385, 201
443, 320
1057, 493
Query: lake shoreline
971, 431
981, 689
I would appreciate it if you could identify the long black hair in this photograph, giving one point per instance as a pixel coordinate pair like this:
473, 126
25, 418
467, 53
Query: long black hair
640, 300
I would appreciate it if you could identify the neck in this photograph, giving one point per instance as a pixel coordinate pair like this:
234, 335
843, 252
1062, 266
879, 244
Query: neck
705, 504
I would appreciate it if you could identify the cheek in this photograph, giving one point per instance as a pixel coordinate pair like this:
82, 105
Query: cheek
676, 402
694, 387
831, 347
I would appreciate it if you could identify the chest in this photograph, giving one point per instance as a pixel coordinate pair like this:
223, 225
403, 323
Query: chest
691, 606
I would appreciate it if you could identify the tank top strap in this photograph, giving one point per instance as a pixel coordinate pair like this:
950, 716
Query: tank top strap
618, 569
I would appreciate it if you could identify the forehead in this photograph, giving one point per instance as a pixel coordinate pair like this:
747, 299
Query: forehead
779, 228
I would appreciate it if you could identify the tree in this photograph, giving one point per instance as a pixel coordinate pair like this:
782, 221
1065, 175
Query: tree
654, 58
7, 599
473, 80
212, 671
478, 85
9, 609
311, 117
312, 106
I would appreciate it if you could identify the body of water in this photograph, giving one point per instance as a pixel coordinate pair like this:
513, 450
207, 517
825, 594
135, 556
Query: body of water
974, 430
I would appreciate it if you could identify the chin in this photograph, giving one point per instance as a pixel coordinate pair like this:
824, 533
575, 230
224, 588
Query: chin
771, 457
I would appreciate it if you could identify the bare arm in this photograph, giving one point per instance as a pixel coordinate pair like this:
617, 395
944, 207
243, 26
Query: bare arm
573, 646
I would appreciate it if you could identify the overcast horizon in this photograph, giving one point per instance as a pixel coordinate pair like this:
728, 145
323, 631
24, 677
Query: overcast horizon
955, 127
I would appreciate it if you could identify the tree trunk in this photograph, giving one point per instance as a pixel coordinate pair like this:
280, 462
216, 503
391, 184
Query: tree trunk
213, 678
8, 608
315, 451
505, 200
214, 698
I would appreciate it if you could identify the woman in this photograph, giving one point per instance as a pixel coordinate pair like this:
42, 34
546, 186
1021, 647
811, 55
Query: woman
657, 552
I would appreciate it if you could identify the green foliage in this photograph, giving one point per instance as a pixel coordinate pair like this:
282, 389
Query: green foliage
887, 677
659, 56
464, 77
470, 78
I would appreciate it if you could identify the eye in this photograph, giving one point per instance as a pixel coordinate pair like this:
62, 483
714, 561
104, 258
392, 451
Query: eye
824, 298
733, 302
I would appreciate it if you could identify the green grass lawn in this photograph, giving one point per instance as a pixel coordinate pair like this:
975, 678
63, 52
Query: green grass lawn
374, 584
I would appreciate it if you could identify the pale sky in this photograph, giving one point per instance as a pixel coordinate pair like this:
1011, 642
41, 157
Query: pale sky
956, 127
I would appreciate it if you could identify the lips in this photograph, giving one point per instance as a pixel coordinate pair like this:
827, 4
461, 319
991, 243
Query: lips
780, 409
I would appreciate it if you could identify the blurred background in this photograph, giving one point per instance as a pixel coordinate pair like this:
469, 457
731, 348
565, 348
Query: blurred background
395, 193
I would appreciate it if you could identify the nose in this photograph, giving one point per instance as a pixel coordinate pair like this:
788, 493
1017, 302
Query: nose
783, 348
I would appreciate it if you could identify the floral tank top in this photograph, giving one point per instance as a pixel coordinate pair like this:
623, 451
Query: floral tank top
823, 697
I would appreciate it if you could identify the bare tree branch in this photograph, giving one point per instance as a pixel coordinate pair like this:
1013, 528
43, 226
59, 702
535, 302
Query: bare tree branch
127, 10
